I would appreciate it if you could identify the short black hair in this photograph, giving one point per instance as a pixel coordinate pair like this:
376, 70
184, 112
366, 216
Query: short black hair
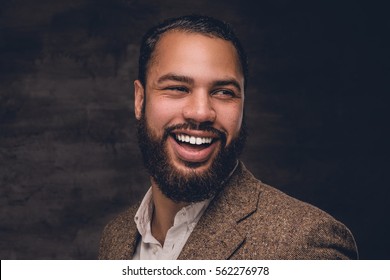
192, 24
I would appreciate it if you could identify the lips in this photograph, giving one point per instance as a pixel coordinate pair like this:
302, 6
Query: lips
193, 146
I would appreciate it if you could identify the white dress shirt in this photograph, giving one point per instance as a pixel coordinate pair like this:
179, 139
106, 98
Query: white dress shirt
148, 247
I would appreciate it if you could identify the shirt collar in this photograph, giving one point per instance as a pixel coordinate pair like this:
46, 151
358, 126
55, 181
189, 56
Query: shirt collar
188, 214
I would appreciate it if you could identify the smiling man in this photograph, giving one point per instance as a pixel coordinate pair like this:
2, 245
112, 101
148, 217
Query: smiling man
203, 203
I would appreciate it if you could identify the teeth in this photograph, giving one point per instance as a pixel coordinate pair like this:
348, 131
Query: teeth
193, 140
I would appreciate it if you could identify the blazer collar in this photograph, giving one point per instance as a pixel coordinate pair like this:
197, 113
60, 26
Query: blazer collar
216, 236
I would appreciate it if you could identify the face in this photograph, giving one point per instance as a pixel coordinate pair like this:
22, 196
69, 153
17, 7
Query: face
190, 114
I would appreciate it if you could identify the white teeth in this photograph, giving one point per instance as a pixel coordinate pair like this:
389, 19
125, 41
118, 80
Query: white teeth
193, 140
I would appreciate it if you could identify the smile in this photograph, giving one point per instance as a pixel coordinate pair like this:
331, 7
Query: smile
193, 146
193, 140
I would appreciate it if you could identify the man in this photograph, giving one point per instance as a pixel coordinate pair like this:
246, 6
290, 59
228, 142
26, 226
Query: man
203, 203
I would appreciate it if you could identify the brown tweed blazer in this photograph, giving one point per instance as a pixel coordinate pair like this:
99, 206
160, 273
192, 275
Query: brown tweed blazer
247, 220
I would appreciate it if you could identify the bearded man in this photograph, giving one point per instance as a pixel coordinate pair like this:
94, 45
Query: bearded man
203, 203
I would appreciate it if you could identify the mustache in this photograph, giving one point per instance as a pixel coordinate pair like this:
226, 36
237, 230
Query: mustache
193, 126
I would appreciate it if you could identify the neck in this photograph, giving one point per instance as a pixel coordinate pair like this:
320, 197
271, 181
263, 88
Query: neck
164, 213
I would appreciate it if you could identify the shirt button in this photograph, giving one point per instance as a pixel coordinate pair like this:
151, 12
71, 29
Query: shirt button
154, 250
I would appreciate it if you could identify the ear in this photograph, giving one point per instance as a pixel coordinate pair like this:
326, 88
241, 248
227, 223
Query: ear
139, 97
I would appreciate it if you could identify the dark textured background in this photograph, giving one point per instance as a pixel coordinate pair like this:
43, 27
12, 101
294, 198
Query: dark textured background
316, 106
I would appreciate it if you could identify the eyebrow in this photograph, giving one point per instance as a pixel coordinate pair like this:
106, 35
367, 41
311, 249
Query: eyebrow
176, 78
190, 81
228, 82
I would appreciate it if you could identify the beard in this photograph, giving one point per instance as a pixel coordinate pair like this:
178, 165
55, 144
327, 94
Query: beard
191, 185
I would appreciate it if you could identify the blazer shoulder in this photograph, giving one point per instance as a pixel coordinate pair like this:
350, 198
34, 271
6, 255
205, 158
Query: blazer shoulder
275, 202
289, 228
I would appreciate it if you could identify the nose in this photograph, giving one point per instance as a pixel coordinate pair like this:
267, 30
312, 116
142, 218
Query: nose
199, 108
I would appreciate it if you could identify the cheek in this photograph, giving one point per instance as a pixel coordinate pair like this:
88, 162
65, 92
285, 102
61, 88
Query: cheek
230, 117
160, 114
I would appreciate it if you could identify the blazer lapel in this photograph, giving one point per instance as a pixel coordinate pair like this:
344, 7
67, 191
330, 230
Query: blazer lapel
216, 236
125, 235
131, 241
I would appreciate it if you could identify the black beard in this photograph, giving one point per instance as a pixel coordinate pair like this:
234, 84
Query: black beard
191, 186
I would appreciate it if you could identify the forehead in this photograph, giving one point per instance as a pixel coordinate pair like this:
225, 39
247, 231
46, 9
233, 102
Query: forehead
177, 47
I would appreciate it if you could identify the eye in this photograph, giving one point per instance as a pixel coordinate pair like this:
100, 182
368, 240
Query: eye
177, 88
224, 93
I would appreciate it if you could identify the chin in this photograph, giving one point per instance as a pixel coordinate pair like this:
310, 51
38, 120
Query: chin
187, 168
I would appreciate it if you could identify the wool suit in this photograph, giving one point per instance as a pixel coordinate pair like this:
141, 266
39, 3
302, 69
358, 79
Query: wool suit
246, 220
